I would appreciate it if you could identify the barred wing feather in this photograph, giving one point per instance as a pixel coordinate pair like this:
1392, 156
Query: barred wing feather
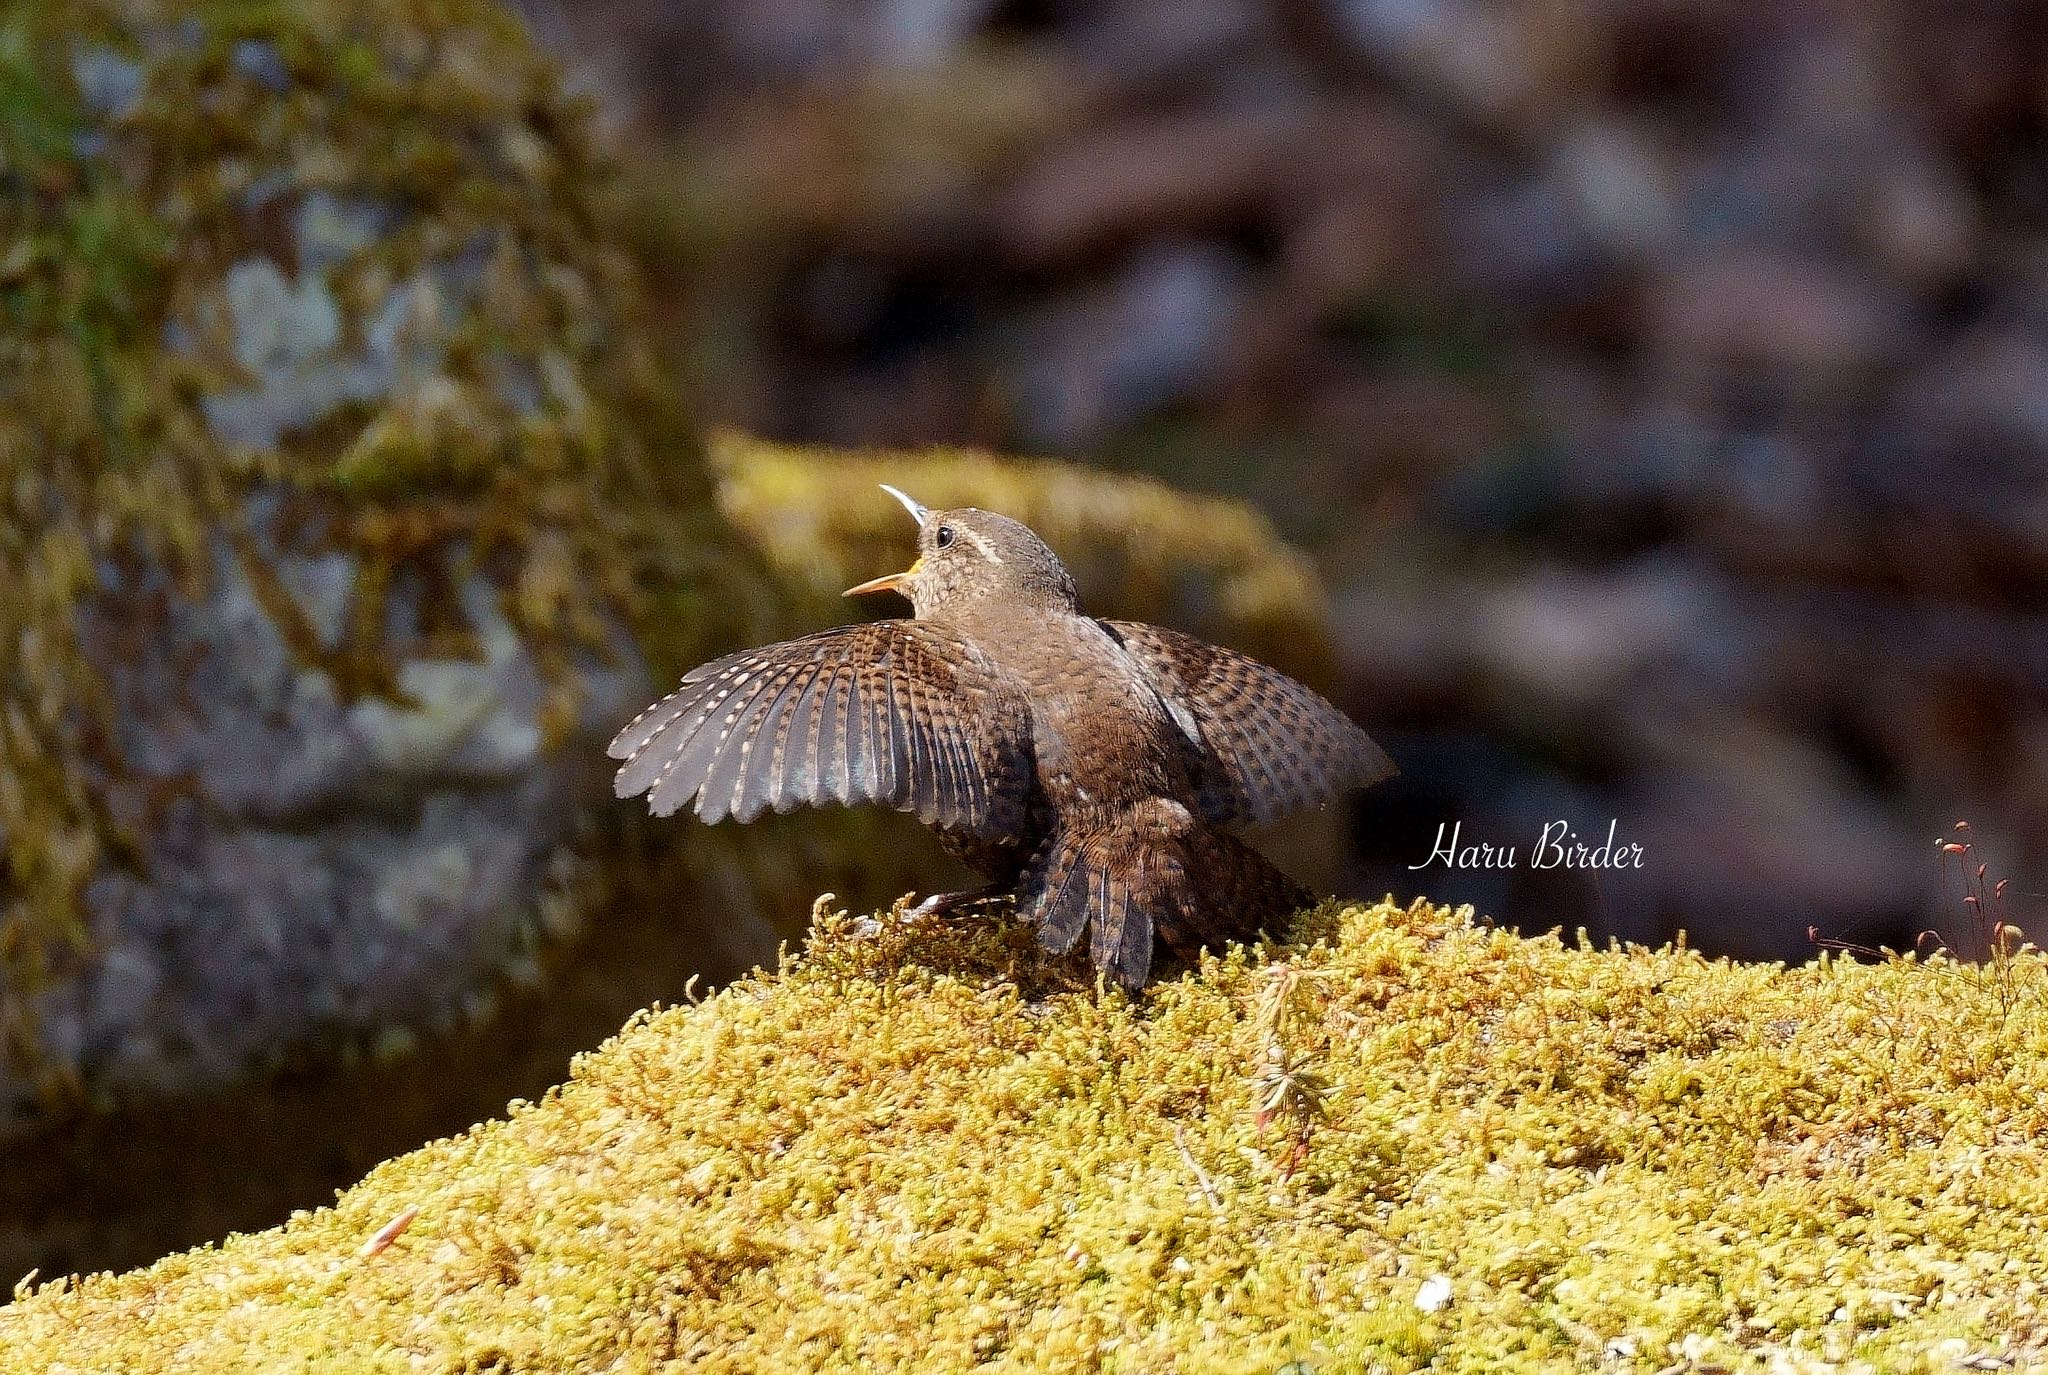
900, 714
1266, 745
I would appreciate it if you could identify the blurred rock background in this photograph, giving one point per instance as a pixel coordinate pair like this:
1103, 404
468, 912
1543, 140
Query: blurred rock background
1662, 388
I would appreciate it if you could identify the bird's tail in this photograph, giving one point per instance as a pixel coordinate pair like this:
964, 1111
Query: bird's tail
1154, 869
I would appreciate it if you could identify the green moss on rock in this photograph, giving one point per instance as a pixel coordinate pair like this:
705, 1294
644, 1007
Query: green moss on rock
920, 1148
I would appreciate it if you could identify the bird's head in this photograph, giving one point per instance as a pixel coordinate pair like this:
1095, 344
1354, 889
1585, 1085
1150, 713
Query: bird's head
966, 556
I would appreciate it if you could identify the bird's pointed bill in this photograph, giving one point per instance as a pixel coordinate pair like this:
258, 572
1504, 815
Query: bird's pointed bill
919, 512
889, 582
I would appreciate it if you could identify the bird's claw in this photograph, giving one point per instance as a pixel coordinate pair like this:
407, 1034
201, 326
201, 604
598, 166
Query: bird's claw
949, 904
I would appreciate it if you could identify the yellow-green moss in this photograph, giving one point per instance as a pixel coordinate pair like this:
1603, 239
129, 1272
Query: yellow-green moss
918, 1148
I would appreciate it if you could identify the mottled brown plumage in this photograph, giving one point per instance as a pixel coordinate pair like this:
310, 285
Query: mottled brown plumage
1089, 767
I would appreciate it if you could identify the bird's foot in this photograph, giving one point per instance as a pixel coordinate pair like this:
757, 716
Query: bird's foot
940, 905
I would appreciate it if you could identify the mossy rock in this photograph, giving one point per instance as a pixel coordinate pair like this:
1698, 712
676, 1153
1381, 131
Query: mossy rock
345, 507
1404, 1140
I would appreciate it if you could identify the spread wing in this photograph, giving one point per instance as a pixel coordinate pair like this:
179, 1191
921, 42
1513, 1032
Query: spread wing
903, 714
1266, 745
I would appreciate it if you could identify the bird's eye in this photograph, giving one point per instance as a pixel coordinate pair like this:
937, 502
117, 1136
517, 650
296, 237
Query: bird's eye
943, 537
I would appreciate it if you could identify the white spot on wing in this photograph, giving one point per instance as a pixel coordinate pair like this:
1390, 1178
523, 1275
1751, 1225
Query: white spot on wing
1183, 718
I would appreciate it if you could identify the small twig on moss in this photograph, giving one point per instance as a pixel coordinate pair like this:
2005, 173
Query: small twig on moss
1208, 1185
388, 1233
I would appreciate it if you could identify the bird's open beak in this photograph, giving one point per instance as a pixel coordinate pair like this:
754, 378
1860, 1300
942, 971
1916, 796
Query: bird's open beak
888, 582
895, 582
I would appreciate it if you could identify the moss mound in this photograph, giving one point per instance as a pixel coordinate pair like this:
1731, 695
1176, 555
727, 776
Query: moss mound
1405, 1140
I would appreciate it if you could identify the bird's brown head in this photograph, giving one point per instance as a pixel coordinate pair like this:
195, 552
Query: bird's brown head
967, 556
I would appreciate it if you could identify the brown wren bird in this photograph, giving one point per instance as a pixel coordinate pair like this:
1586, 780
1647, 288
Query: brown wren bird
1089, 767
